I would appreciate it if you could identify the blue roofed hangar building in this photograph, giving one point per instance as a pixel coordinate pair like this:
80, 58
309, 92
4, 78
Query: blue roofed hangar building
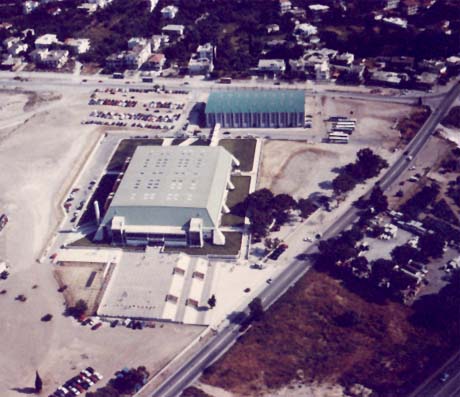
256, 109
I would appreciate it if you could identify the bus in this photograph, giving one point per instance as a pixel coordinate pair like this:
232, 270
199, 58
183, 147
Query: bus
336, 137
344, 124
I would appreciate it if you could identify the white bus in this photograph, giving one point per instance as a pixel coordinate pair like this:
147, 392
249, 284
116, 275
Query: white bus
337, 137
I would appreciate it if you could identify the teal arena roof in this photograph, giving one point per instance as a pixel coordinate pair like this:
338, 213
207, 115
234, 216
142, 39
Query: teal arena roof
256, 101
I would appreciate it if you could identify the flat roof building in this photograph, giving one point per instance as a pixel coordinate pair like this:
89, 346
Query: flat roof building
257, 108
170, 195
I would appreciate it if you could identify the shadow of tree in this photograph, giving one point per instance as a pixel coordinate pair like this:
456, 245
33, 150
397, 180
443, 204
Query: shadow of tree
24, 390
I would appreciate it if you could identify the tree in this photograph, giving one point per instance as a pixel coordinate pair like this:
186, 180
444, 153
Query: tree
381, 269
306, 207
256, 310
38, 383
432, 245
404, 253
212, 301
283, 202
343, 183
360, 264
259, 200
378, 200
78, 309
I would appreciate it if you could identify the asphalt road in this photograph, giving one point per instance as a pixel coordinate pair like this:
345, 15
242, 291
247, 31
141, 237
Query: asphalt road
225, 337
436, 387
39, 80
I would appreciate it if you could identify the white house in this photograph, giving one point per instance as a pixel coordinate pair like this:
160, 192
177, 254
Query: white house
79, 46
285, 6
29, 6
305, 29
271, 65
45, 41
159, 40
100, 3
174, 30
169, 12
17, 48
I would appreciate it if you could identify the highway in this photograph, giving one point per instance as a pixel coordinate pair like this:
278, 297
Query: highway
228, 334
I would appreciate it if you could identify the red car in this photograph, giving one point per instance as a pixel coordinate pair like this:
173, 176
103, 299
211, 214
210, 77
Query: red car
96, 326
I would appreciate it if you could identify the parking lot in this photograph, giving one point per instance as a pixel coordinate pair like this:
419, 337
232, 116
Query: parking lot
133, 108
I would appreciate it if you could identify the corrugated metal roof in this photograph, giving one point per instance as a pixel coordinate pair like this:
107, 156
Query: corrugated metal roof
256, 101
166, 186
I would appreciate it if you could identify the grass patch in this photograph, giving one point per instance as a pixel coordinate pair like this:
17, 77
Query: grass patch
232, 246
381, 349
236, 197
177, 141
242, 149
201, 142
126, 149
88, 242
103, 189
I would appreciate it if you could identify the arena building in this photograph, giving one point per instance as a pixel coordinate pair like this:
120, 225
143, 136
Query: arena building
170, 195
256, 109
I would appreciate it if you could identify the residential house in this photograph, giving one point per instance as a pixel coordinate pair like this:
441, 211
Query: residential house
202, 62
198, 65
45, 58
10, 63
317, 11
402, 23
159, 40
137, 41
432, 66
116, 61
390, 79
343, 61
169, 12
29, 6
275, 66
45, 41
155, 62
10, 42
285, 6
78, 46
315, 63
273, 28
391, 4
18, 48
305, 29
6, 26
426, 80
409, 7
206, 51
100, 3
153, 4
137, 56
174, 31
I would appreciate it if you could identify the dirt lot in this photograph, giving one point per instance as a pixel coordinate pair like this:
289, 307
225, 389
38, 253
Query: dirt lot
383, 350
301, 169
83, 281
42, 147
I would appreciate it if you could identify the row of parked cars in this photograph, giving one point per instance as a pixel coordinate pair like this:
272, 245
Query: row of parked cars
113, 102
78, 384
